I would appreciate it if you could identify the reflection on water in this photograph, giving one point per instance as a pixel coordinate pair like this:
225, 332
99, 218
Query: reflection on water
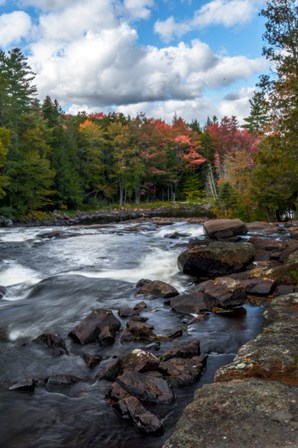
53, 283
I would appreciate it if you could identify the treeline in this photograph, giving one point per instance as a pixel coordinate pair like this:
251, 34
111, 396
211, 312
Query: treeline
51, 160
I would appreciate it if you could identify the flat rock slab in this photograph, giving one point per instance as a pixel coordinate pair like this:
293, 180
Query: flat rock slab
224, 228
156, 288
239, 414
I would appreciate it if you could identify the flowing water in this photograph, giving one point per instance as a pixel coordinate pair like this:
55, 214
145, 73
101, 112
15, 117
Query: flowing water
52, 283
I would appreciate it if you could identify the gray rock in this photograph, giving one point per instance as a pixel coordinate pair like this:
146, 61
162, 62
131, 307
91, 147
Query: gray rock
224, 228
144, 420
156, 288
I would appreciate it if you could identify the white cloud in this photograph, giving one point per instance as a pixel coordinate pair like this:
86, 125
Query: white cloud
13, 27
139, 9
217, 12
237, 104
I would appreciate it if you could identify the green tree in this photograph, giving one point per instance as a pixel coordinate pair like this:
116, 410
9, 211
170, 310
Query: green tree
258, 119
4, 141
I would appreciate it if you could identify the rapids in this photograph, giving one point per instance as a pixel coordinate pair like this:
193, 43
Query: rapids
52, 283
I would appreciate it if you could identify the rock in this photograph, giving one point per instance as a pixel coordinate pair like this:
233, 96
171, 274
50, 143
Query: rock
156, 288
100, 325
187, 350
62, 380
259, 287
138, 331
216, 258
293, 258
286, 274
2, 291
176, 235
140, 361
224, 228
91, 360
5, 222
194, 303
261, 228
127, 312
140, 306
182, 372
146, 387
53, 342
25, 384
142, 419
110, 370
239, 414
225, 292
273, 354
49, 235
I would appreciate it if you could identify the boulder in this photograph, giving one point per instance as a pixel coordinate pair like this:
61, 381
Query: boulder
138, 331
100, 325
110, 370
194, 303
239, 414
52, 342
140, 306
258, 286
127, 312
186, 350
156, 288
182, 372
140, 361
144, 420
216, 258
62, 380
262, 228
146, 387
224, 228
286, 274
225, 292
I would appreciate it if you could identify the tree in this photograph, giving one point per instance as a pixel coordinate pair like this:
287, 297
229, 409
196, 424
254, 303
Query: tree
258, 119
4, 141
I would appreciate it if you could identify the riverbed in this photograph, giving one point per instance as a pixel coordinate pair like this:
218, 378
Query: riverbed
53, 278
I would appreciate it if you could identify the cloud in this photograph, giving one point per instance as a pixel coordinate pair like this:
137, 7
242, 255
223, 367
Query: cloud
237, 103
139, 9
14, 27
217, 12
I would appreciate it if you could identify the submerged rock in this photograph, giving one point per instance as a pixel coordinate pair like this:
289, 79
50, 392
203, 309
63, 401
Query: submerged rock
216, 258
91, 360
100, 325
2, 291
25, 384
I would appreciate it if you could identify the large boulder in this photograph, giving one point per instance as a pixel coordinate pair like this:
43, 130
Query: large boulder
156, 288
216, 258
100, 325
224, 228
239, 414
193, 303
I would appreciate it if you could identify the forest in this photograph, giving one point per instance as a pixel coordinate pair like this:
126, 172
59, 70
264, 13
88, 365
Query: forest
51, 160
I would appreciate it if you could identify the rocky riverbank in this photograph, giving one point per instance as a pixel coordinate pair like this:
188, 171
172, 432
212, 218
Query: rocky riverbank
254, 400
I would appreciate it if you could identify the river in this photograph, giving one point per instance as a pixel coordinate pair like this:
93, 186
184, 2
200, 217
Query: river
52, 283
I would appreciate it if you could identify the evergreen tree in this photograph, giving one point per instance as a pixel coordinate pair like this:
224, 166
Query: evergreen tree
258, 119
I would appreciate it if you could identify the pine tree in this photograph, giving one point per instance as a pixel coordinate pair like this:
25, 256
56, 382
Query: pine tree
258, 119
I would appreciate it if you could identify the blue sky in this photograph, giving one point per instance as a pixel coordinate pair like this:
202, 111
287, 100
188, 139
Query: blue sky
192, 58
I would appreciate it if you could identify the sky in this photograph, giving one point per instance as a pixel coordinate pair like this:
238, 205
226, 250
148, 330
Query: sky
189, 58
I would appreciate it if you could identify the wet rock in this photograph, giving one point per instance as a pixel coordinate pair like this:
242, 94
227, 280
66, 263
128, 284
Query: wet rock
194, 303
140, 361
62, 380
156, 288
140, 306
138, 331
5, 222
216, 258
139, 318
127, 312
187, 350
91, 360
224, 228
53, 342
246, 414
176, 235
100, 325
110, 370
25, 384
146, 387
143, 420
182, 372
49, 235
2, 291
261, 228
225, 292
